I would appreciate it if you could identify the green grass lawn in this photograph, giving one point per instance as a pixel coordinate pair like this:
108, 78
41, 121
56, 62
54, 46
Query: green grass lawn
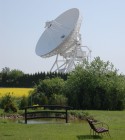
63, 131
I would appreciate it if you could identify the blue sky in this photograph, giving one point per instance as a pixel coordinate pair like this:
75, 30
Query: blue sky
22, 23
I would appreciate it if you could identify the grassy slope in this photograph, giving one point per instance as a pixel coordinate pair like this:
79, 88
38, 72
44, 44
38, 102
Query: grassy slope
70, 131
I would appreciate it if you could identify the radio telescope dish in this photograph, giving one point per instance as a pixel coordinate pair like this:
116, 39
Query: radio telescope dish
62, 38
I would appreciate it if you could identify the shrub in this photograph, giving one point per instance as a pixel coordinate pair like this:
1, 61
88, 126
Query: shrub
8, 103
23, 102
58, 99
48, 91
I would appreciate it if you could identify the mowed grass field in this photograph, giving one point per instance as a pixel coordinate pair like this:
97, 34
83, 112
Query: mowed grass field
62, 131
17, 92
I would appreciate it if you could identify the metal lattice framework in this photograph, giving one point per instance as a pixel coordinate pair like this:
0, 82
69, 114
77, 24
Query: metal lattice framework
62, 39
72, 54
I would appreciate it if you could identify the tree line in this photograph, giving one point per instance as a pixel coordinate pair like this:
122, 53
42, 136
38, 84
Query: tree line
96, 86
17, 78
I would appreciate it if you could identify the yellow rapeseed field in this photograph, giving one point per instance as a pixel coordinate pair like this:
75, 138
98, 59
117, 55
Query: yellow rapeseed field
17, 92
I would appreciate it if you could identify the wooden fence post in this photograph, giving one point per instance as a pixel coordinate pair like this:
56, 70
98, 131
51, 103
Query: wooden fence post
66, 116
25, 115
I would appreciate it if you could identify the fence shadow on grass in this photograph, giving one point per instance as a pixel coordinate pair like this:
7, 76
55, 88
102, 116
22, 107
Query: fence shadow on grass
83, 137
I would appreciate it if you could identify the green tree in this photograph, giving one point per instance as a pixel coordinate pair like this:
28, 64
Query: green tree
5, 70
13, 75
9, 77
96, 85
46, 90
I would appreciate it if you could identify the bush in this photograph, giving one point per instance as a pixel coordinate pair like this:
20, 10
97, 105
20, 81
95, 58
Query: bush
48, 91
58, 100
23, 102
10, 108
8, 103
37, 98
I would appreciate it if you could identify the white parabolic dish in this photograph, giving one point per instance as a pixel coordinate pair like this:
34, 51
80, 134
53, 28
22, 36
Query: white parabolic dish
58, 32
